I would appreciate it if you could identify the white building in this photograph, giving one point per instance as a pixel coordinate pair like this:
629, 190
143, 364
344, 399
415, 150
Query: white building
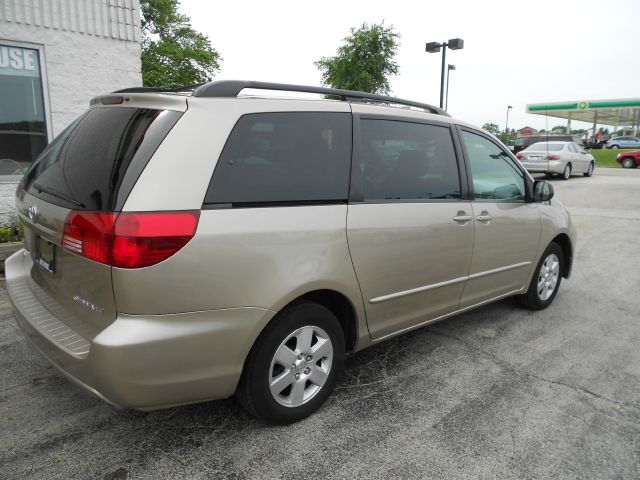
55, 55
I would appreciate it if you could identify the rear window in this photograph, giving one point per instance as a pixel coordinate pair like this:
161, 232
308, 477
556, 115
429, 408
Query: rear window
94, 163
551, 147
287, 157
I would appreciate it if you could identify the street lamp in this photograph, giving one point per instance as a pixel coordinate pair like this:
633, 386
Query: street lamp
449, 68
506, 124
434, 47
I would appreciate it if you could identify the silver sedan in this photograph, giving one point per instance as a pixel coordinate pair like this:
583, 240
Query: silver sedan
562, 158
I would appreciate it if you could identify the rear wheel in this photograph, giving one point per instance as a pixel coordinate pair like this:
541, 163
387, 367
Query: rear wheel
628, 162
546, 280
293, 366
589, 171
566, 172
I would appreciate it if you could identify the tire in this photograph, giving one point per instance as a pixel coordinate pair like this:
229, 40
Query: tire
614, 147
293, 338
589, 172
540, 295
628, 162
566, 172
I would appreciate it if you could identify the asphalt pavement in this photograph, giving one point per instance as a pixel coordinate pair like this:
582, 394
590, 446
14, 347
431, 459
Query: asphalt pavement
498, 392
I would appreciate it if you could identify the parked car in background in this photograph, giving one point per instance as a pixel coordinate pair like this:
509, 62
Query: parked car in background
629, 159
597, 145
562, 158
623, 142
187, 246
524, 142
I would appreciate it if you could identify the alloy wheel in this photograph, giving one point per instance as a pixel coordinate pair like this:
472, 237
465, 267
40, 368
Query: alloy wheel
548, 277
300, 366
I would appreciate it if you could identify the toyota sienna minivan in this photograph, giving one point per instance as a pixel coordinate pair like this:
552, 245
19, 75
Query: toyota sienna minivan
182, 246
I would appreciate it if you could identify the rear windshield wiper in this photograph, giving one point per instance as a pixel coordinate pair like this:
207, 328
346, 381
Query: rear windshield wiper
57, 194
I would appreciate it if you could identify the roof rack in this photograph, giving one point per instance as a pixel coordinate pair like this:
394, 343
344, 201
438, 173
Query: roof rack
231, 89
157, 89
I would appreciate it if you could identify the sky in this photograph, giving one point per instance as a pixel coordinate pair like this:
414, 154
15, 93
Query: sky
514, 53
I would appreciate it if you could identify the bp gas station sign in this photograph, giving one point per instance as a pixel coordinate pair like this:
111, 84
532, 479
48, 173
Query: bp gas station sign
620, 112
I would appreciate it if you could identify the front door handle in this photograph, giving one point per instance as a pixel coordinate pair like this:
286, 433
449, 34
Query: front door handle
484, 218
462, 217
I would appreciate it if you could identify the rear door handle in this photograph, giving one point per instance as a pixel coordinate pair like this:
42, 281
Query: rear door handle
484, 218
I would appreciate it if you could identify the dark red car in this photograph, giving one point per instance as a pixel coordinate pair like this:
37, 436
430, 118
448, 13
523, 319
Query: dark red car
629, 159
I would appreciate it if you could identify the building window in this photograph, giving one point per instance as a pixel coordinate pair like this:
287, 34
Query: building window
23, 128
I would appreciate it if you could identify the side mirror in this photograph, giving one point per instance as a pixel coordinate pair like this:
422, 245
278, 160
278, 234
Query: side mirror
542, 191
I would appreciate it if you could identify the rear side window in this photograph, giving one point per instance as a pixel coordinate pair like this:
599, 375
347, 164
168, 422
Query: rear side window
407, 161
284, 157
94, 163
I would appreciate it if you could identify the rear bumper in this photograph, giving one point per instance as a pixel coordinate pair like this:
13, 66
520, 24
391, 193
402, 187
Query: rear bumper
141, 362
552, 166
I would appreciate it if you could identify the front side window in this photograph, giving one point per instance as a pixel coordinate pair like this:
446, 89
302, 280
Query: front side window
407, 161
23, 130
285, 157
495, 176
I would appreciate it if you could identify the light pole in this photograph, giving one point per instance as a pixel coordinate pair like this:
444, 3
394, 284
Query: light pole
446, 103
434, 47
506, 124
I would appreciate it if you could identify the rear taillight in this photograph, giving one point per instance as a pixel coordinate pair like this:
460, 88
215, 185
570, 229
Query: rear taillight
520, 156
553, 157
129, 239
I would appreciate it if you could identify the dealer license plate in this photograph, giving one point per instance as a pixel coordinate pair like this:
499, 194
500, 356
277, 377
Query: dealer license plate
46, 254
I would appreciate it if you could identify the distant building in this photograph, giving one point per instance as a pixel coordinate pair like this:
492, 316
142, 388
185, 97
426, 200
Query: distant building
527, 132
55, 56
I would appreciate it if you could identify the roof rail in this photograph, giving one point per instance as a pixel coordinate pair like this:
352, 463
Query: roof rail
231, 89
157, 89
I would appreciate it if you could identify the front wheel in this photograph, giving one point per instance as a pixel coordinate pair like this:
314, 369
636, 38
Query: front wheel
293, 366
566, 173
628, 162
589, 171
546, 280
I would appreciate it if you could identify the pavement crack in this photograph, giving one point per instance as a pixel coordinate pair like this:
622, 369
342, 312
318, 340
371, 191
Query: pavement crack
626, 406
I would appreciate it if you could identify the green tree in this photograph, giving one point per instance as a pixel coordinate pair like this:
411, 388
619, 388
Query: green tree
491, 128
559, 129
173, 53
365, 60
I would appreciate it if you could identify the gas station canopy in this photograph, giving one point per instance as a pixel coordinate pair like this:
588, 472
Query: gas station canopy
624, 112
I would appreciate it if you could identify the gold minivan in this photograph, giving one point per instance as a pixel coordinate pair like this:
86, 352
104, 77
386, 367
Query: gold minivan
182, 246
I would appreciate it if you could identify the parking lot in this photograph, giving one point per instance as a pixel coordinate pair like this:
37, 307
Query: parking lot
498, 392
